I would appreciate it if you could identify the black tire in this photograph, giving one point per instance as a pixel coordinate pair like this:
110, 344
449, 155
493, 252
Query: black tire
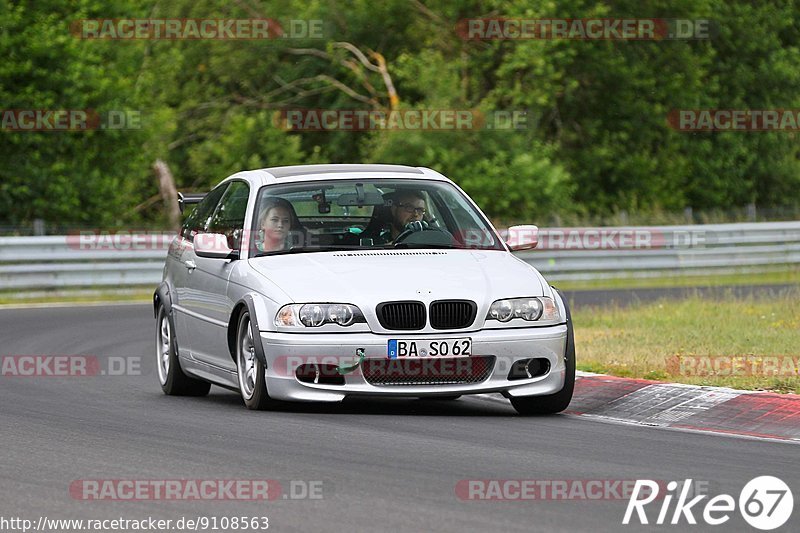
253, 391
553, 403
170, 374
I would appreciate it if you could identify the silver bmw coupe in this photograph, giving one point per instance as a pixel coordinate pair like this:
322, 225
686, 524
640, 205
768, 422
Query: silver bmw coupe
319, 282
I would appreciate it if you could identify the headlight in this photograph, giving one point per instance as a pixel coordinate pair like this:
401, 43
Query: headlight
315, 315
529, 309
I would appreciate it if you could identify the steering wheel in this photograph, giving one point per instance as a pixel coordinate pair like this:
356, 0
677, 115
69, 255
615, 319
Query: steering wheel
411, 227
414, 227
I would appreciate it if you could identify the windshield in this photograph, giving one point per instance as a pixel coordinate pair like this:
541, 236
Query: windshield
367, 214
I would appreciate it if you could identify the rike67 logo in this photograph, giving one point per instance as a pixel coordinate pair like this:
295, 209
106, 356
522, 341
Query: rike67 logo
765, 503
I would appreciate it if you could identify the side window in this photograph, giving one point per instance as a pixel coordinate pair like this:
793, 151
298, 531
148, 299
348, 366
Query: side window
228, 218
197, 221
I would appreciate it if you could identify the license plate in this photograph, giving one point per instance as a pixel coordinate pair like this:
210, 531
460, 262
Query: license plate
429, 348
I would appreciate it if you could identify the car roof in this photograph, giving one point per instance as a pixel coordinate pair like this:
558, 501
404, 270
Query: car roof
300, 173
303, 170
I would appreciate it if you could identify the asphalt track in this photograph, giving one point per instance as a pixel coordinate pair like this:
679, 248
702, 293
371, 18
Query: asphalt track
384, 465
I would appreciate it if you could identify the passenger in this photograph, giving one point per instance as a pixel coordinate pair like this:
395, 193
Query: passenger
277, 224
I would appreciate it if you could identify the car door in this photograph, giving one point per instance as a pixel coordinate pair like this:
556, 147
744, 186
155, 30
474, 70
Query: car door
209, 307
182, 275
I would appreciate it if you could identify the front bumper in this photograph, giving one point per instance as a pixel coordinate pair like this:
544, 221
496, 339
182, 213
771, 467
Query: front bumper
286, 351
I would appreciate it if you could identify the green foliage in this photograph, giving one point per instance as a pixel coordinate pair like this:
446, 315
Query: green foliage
596, 141
66, 178
506, 173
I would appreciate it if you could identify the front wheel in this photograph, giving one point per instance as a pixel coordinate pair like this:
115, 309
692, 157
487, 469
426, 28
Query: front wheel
170, 374
553, 403
251, 371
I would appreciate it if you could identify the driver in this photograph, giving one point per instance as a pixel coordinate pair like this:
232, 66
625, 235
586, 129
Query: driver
407, 207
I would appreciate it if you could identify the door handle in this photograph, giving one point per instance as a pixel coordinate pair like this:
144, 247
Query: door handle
190, 265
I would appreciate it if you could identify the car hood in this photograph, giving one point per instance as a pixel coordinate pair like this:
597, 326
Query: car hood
371, 277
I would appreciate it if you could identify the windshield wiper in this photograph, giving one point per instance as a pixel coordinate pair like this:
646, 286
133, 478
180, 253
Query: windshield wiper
304, 249
417, 246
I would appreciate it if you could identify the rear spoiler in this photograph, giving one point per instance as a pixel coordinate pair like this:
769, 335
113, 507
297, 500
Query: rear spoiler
189, 199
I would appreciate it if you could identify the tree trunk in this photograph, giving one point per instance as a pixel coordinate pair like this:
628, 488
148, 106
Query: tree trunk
166, 186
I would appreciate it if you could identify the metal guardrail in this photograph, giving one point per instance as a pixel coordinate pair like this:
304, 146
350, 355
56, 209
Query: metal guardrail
125, 260
61, 262
675, 250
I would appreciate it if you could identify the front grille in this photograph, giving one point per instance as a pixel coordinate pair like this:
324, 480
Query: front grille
427, 370
401, 315
453, 314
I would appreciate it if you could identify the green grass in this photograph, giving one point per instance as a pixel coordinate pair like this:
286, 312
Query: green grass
772, 277
134, 294
637, 341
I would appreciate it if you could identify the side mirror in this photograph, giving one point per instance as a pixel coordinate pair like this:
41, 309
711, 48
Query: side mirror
522, 237
189, 199
213, 246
